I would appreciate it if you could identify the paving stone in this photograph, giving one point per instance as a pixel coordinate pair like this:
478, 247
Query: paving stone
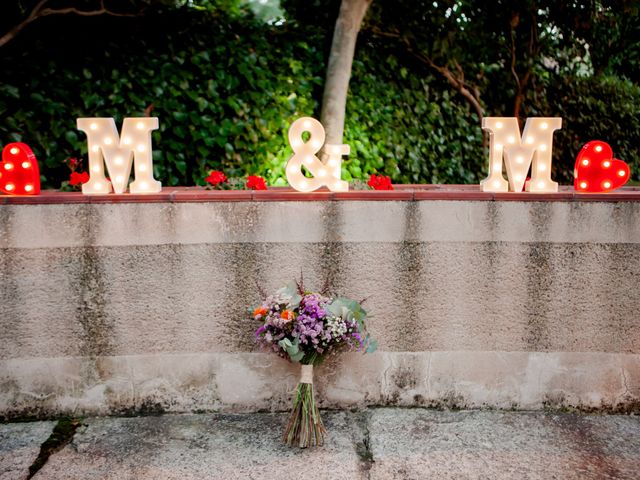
19, 447
204, 446
378, 444
418, 444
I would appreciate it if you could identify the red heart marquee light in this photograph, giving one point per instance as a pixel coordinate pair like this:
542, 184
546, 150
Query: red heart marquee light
597, 171
19, 172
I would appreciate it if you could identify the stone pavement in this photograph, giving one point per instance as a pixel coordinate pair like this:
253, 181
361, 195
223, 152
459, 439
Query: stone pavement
381, 443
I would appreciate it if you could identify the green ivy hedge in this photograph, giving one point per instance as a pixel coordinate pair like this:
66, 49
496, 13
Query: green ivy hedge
595, 108
226, 91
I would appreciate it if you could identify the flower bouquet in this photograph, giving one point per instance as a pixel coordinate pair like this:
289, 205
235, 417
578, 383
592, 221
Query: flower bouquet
306, 327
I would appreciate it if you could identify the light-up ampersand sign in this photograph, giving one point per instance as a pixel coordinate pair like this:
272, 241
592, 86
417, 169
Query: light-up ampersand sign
116, 152
19, 172
304, 154
532, 149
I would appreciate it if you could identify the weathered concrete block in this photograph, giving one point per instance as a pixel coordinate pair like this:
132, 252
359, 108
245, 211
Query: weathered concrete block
462, 295
416, 444
20, 446
189, 447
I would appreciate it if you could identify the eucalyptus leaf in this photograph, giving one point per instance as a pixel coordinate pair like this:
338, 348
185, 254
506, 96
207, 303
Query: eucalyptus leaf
372, 346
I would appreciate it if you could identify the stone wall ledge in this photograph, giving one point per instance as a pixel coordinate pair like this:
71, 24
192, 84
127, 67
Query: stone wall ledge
250, 382
279, 194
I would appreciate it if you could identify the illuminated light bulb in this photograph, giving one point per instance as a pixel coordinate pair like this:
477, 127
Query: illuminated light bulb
598, 148
542, 147
118, 160
28, 188
497, 167
606, 184
303, 184
144, 185
142, 168
518, 178
530, 140
542, 168
295, 144
585, 162
606, 164
308, 159
621, 173
541, 184
511, 139
14, 151
332, 162
496, 183
96, 168
322, 173
498, 146
8, 166
10, 186
119, 179
97, 186
26, 164
95, 148
306, 124
292, 169
108, 141
316, 144
519, 159
544, 125
583, 184
336, 186
140, 125
93, 126
498, 125
127, 140
141, 147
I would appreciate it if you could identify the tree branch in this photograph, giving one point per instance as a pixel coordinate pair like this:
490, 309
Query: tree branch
39, 11
470, 93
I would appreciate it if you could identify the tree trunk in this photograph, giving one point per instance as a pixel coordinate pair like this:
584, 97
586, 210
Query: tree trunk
336, 85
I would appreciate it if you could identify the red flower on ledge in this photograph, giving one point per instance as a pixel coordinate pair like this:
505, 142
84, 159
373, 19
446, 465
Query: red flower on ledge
255, 182
78, 178
216, 177
380, 182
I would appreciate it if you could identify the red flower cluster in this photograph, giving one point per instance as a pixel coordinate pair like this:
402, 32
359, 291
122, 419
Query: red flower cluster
216, 177
78, 178
256, 183
380, 182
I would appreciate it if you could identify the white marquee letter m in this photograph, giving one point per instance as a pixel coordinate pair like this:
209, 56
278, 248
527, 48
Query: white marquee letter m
118, 153
532, 149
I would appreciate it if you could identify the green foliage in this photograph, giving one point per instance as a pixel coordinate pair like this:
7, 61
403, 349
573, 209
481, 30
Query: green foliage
402, 122
226, 84
225, 91
594, 108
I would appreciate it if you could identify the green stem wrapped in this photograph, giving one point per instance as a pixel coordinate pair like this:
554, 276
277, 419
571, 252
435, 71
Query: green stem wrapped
304, 428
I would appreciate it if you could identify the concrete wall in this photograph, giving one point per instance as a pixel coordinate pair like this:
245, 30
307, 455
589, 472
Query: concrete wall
120, 307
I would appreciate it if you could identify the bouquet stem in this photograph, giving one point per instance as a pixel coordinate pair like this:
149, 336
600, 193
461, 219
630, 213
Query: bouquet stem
304, 428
